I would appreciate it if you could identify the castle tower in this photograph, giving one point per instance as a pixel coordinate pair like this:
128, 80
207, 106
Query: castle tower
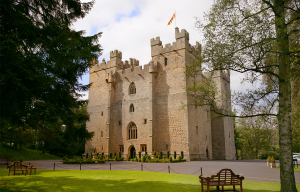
146, 109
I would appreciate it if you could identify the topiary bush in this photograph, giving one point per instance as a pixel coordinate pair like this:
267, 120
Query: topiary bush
174, 154
140, 155
181, 154
170, 159
168, 154
110, 155
161, 154
128, 158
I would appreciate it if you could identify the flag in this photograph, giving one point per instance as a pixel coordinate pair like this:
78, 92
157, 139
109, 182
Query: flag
171, 19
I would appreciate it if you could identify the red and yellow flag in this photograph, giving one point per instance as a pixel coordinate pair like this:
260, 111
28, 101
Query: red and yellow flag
171, 19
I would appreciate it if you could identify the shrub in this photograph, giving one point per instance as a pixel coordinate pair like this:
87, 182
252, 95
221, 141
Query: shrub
120, 155
146, 153
115, 158
159, 157
140, 155
272, 160
170, 159
181, 154
115, 154
134, 154
265, 154
168, 154
110, 155
128, 158
269, 159
179, 158
102, 154
161, 154
174, 154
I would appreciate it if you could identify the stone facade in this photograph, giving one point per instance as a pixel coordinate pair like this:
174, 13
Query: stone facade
135, 108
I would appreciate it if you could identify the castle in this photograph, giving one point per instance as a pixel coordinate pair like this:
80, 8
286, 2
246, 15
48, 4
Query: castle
146, 109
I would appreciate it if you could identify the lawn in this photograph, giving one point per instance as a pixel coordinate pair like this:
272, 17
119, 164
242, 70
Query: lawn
70, 180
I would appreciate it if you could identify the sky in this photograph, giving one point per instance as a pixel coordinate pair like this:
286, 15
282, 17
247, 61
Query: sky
128, 26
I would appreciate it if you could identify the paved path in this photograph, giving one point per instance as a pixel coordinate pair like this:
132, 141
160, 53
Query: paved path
252, 170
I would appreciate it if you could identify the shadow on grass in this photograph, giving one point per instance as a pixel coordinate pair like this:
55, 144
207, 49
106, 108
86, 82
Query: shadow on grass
97, 182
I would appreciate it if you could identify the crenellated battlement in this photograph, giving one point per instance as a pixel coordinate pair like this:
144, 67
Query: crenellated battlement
116, 53
182, 42
155, 41
182, 34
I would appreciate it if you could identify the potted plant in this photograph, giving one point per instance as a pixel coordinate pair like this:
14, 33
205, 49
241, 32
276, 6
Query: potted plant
273, 164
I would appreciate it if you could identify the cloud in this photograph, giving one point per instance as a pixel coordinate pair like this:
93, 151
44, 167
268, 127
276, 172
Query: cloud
129, 25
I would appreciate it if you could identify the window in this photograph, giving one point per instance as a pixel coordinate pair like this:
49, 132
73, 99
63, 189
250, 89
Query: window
166, 61
121, 147
120, 122
101, 133
132, 89
102, 113
197, 130
132, 131
145, 121
144, 148
102, 148
131, 108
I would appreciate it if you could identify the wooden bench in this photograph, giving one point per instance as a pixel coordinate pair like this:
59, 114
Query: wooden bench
30, 167
18, 169
225, 177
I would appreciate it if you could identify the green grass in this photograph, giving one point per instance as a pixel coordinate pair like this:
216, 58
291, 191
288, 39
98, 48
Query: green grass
70, 180
25, 154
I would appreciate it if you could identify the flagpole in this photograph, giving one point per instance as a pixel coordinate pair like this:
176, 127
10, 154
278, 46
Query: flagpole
175, 18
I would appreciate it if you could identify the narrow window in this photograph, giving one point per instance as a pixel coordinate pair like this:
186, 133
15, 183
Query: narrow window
101, 133
120, 122
206, 137
166, 61
102, 147
145, 121
197, 130
121, 105
144, 148
121, 147
132, 89
102, 113
131, 109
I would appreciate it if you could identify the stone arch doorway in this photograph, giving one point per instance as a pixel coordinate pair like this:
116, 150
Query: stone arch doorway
131, 151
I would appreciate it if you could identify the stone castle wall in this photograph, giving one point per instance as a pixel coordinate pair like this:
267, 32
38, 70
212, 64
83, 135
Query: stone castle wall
164, 120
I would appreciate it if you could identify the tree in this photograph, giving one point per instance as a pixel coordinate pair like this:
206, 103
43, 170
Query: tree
41, 61
242, 36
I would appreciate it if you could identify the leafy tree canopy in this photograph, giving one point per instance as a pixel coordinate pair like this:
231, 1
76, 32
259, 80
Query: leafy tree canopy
41, 61
260, 39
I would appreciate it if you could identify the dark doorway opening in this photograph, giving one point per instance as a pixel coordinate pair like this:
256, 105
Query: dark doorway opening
132, 152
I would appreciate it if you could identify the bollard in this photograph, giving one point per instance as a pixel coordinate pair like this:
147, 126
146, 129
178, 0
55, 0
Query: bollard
201, 170
142, 167
110, 166
169, 168
54, 166
80, 166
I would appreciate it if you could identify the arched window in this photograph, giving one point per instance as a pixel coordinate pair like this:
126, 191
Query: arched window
132, 88
132, 131
131, 109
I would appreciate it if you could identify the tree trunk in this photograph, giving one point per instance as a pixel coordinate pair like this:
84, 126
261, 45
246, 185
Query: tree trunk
287, 176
